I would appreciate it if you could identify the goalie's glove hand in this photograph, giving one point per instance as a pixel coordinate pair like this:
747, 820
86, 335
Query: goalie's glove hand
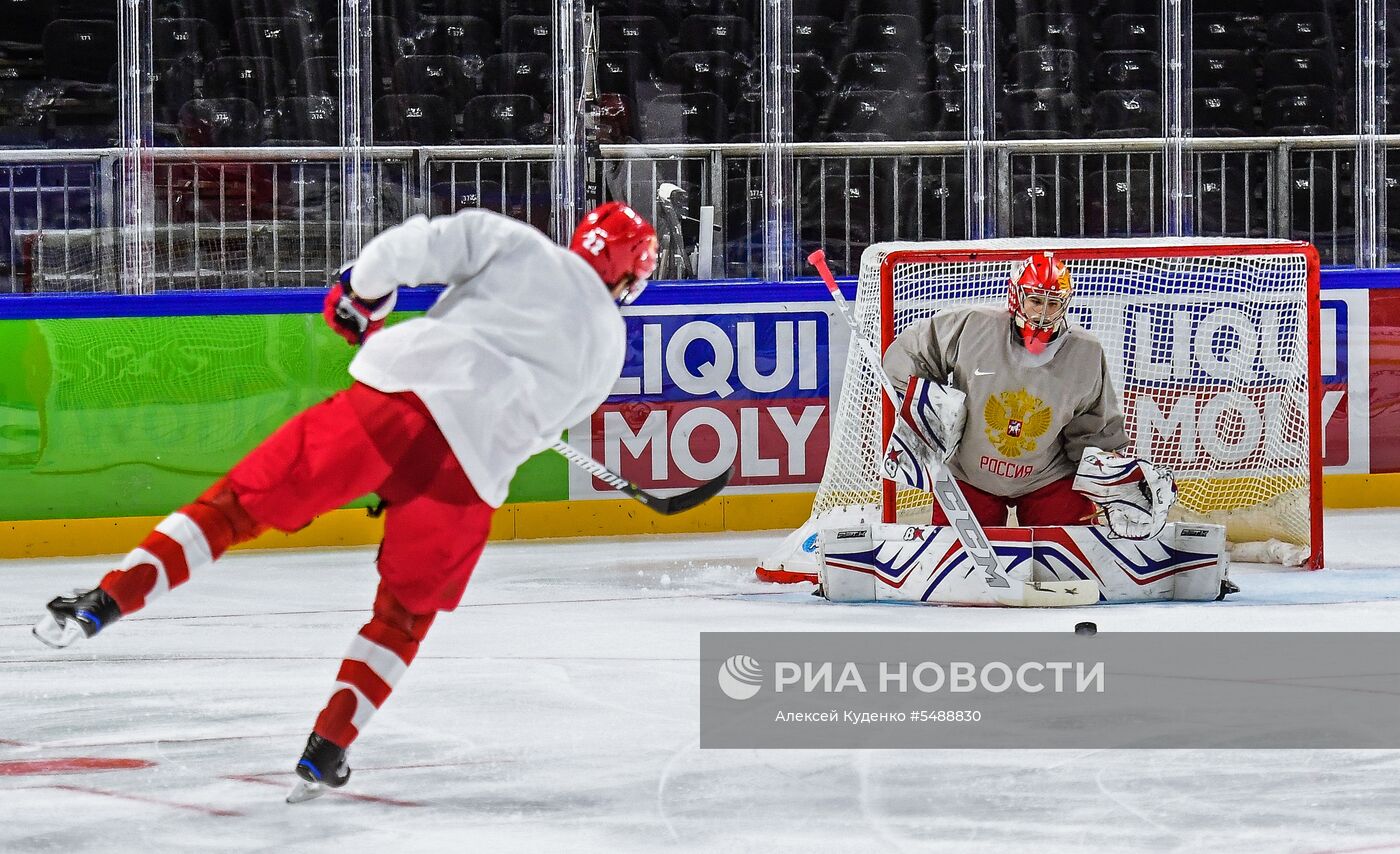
353, 318
1133, 495
926, 432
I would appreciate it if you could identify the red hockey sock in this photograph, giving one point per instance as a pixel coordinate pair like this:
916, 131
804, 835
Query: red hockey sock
375, 662
185, 541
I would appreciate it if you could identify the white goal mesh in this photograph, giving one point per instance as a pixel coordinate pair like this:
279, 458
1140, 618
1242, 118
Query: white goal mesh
1208, 343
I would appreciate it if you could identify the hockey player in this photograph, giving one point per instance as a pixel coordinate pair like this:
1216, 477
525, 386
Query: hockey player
525, 341
1022, 408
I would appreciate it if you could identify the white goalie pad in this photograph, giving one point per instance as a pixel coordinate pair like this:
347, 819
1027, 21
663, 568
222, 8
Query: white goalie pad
926, 564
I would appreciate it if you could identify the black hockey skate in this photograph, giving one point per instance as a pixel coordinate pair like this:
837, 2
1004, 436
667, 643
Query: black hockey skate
1226, 588
80, 615
322, 766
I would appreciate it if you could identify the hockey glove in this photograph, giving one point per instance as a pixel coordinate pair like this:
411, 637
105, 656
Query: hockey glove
926, 432
1133, 495
351, 317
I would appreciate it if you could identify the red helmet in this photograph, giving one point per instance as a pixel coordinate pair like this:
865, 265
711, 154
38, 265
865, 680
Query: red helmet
1040, 290
619, 245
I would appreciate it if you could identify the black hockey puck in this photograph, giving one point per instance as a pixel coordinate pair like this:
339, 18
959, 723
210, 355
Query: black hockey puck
1085, 629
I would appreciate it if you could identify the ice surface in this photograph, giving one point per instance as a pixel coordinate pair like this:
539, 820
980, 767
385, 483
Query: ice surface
556, 710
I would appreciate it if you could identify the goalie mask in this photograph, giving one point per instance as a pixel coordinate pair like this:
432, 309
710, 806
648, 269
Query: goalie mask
1040, 291
618, 244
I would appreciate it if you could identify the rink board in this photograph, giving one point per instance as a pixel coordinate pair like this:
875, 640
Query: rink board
115, 409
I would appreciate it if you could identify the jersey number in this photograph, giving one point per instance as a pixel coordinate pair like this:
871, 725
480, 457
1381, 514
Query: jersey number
595, 240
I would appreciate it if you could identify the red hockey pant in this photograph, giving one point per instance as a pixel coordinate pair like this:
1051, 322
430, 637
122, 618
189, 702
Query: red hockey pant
1055, 503
356, 442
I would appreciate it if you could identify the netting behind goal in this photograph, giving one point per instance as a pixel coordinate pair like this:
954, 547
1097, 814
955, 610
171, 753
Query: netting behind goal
1212, 346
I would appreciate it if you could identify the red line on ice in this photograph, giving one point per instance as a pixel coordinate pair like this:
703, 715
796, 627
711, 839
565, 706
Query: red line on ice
253, 778
144, 800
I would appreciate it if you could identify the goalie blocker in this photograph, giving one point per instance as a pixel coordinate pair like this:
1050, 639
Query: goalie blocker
925, 564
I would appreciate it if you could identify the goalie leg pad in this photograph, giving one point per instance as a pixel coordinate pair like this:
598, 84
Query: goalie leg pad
1184, 562
925, 564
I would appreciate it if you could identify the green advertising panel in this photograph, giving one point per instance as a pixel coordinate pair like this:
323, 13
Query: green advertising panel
134, 416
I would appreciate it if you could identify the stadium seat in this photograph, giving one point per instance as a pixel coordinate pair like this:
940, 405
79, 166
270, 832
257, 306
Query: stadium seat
387, 44
1312, 191
306, 121
185, 39
947, 71
1061, 31
468, 37
689, 117
530, 74
1121, 202
1132, 32
220, 122
1228, 200
494, 119
705, 71
450, 197
912, 8
1040, 114
936, 198
727, 33
1300, 68
618, 120
254, 78
1299, 110
802, 118
888, 113
307, 11
1127, 69
640, 33
413, 120
1301, 31
404, 13
875, 71
1222, 111
1212, 69
628, 73
172, 84
318, 76
942, 116
1222, 31
1126, 112
896, 33
810, 74
445, 76
1047, 69
80, 50
814, 34
527, 34
286, 40
1042, 206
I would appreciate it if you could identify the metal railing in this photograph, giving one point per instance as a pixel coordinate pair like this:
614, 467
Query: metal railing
241, 217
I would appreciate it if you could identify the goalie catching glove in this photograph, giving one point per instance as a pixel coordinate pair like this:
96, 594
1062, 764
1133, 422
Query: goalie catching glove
352, 317
926, 432
1133, 495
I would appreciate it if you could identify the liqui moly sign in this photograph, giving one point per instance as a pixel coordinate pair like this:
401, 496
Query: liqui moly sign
709, 387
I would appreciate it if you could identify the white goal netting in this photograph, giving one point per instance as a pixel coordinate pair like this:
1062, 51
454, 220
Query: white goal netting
1208, 343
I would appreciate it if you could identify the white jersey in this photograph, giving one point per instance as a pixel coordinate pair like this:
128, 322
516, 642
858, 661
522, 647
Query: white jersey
524, 342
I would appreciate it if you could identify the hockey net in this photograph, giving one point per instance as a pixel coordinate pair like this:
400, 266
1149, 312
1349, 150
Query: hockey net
1212, 346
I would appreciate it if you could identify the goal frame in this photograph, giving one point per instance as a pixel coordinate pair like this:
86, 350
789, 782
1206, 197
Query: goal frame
933, 255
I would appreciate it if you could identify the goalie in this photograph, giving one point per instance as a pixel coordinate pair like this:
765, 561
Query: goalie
1021, 407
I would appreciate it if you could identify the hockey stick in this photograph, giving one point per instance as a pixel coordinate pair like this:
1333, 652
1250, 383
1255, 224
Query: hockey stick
665, 506
1006, 590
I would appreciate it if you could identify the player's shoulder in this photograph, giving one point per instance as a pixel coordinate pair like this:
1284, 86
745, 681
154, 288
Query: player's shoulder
1080, 338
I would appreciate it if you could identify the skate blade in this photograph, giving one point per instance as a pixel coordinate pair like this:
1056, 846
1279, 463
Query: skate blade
55, 634
305, 791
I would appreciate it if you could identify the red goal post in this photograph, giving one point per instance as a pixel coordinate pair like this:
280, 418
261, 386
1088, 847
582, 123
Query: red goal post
1214, 346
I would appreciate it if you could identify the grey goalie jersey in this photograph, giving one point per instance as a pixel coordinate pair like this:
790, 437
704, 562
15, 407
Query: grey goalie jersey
1029, 417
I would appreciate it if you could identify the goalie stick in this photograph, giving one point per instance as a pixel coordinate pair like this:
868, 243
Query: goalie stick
665, 506
1006, 590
